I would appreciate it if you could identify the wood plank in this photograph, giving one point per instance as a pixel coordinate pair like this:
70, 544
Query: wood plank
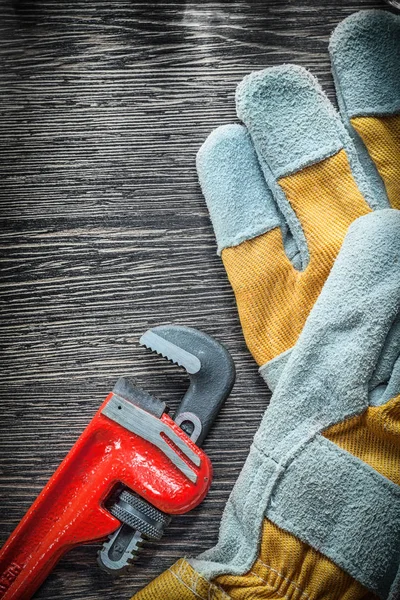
105, 231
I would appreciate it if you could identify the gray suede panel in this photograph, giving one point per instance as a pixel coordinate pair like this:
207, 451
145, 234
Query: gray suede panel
272, 370
291, 121
392, 389
326, 380
240, 203
386, 368
365, 54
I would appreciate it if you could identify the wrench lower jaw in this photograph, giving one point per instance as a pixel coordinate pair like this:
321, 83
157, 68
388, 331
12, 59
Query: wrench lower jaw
140, 522
120, 550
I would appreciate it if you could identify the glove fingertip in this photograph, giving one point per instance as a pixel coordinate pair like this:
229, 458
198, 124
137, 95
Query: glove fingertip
365, 55
240, 204
291, 121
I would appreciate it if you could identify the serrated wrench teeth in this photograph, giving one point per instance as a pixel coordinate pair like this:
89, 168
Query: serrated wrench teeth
171, 352
209, 366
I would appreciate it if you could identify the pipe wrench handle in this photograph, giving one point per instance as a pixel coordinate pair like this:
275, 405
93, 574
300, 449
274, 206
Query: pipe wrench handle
65, 514
166, 468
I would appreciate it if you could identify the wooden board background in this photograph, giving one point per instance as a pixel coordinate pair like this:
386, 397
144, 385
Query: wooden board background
104, 231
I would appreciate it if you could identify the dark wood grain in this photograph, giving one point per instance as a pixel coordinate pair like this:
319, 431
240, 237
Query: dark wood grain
103, 106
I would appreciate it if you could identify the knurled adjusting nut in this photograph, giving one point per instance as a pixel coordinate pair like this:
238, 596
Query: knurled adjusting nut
140, 515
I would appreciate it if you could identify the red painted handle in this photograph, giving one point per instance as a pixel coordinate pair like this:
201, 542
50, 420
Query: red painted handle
70, 509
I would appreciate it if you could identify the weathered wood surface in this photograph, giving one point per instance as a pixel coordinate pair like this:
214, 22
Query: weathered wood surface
103, 106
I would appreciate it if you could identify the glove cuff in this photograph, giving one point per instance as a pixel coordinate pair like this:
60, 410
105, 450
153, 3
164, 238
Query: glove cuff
181, 582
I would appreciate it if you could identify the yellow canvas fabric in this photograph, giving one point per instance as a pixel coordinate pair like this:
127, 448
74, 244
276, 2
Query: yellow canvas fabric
381, 135
374, 437
181, 582
287, 567
273, 298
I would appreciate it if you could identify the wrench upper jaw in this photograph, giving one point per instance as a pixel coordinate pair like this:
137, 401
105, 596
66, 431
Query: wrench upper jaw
171, 351
208, 363
124, 388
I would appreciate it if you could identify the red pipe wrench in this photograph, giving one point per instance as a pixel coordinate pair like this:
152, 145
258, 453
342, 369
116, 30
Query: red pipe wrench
131, 468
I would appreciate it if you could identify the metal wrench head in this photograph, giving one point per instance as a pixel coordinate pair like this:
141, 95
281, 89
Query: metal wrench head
211, 371
212, 375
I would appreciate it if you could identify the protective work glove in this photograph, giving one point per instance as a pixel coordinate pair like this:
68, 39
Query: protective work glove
281, 196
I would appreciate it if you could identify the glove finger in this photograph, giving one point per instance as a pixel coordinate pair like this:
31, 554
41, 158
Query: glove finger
258, 254
365, 55
347, 331
240, 204
304, 150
